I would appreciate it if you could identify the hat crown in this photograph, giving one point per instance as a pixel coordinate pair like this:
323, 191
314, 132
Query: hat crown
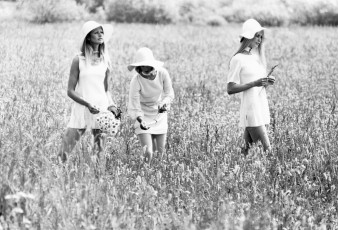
250, 28
144, 54
89, 26
144, 57
251, 25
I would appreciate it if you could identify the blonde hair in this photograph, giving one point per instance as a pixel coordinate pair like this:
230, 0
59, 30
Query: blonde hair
245, 42
87, 52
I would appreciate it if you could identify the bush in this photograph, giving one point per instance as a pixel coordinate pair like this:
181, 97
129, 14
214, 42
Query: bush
268, 14
45, 11
155, 11
93, 6
281, 12
272, 15
201, 12
318, 12
215, 20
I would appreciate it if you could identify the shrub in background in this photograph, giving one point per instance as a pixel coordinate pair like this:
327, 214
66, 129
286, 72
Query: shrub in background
93, 6
272, 15
316, 12
144, 11
201, 12
205, 12
267, 13
44, 11
215, 20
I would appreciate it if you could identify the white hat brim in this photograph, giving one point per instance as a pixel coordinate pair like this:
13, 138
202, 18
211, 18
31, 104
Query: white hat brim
251, 34
153, 63
107, 30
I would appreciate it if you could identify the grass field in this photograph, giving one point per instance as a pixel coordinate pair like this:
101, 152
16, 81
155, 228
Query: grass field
203, 182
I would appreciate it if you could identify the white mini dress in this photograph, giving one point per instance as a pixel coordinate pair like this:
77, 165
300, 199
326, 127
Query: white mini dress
91, 88
144, 97
254, 110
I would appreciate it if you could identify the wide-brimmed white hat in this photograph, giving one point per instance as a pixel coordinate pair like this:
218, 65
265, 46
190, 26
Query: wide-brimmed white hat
250, 28
91, 25
144, 57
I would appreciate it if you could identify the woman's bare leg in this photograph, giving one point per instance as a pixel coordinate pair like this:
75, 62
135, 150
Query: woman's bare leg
159, 140
260, 134
99, 139
69, 141
248, 141
147, 146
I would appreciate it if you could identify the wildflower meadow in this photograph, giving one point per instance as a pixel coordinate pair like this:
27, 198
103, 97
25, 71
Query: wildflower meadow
203, 181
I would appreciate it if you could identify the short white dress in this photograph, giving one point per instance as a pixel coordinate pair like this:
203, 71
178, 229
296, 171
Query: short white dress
144, 97
91, 88
254, 109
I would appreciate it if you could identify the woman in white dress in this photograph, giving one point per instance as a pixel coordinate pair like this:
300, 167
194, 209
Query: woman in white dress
88, 87
150, 96
248, 76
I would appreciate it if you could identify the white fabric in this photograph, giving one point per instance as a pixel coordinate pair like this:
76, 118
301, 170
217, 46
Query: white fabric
145, 96
158, 124
250, 28
110, 99
144, 57
254, 109
91, 88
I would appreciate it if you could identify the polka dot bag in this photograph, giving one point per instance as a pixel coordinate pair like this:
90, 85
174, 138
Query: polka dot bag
107, 122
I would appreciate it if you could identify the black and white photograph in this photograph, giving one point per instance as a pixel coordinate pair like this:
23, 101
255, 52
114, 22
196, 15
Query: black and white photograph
169, 115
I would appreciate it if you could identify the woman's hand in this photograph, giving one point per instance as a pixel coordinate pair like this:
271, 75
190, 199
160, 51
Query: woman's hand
271, 80
143, 124
262, 82
93, 109
162, 108
115, 110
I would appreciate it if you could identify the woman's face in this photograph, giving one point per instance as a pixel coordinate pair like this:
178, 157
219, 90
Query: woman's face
256, 40
146, 69
96, 36
147, 72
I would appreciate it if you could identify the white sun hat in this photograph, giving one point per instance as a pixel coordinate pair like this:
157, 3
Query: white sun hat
91, 25
144, 57
250, 28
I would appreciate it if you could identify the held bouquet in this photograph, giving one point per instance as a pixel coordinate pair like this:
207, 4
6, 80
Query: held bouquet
107, 122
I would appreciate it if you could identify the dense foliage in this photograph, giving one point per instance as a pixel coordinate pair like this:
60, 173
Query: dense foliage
212, 12
203, 181
156, 11
49, 11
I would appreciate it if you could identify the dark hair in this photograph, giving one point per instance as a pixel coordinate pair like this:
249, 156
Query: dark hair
138, 68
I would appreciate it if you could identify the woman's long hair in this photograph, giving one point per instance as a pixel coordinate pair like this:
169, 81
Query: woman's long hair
87, 52
245, 42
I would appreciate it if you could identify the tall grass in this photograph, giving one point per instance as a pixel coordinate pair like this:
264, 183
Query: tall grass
203, 181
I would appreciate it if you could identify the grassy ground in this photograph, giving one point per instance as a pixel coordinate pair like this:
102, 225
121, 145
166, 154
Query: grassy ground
203, 182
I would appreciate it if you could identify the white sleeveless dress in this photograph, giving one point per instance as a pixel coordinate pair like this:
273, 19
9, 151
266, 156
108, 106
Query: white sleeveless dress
91, 88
